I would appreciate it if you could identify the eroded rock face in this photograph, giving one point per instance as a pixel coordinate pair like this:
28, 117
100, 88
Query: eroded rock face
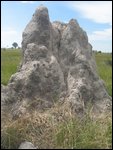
38, 29
57, 64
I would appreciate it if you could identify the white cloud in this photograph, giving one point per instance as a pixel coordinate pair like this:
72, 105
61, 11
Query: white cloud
101, 40
97, 11
10, 35
27, 2
106, 34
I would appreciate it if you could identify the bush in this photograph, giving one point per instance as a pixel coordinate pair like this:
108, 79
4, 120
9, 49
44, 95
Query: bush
109, 62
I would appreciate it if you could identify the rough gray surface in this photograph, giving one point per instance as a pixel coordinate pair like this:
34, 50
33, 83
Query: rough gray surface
27, 145
57, 64
39, 25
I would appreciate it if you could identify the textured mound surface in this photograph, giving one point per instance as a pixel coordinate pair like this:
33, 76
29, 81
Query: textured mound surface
57, 65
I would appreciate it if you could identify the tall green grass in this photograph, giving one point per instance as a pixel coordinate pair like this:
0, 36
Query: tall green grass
10, 60
67, 132
104, 67
83, 134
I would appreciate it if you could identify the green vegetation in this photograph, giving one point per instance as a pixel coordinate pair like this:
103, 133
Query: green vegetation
10, 60
15, 45
83, 134
67, 132
104, 67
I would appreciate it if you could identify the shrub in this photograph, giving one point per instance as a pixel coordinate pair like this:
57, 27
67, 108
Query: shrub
109, 62
99, 51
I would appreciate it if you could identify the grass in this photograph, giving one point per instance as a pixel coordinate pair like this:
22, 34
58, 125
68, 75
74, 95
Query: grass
83, 134
104, 67
67, 132
10, 60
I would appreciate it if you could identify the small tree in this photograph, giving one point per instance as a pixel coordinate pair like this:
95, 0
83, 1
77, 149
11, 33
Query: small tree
15, 45
99, 51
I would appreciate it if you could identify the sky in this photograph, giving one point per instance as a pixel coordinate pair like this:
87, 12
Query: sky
95, 17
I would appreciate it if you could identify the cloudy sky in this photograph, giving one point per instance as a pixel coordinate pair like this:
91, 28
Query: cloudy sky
95, 17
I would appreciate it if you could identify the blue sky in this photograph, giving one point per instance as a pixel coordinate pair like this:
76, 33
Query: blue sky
95, 17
